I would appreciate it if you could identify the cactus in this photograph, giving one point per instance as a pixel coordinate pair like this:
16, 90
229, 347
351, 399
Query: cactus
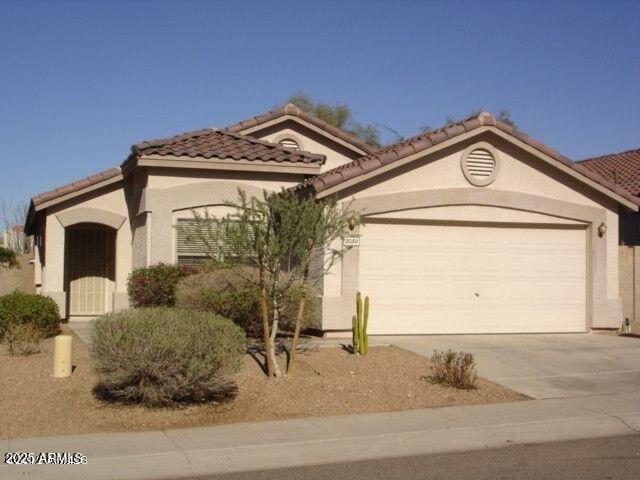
360, 340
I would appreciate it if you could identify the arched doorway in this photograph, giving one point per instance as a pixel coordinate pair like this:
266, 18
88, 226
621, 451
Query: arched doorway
89, 268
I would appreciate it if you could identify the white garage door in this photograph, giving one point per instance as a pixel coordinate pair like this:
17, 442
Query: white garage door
473, 279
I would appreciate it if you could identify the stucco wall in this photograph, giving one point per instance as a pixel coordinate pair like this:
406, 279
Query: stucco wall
20, 278
309, 141
111, 200
520, 173
171, 194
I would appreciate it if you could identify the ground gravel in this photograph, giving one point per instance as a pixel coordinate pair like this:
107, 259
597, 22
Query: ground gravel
327, 381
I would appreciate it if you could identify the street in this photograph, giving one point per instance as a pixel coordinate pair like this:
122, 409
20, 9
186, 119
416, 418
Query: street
613, 458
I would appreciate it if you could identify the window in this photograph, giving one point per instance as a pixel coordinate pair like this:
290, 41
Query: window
190, 248
289, 143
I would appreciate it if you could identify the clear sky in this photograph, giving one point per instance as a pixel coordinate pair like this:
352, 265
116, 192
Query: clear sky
80, 81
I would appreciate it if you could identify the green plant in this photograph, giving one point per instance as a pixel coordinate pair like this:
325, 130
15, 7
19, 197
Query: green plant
225, 292
360, 339
155, 286
233, 294
8, 258
456, 369
165, 356
23, 338
19, 308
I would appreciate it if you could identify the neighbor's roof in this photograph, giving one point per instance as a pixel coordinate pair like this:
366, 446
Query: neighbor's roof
213, 143
387, 155
621, 168
292, 110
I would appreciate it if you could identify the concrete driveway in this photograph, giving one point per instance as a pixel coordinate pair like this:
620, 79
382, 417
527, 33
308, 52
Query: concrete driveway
543, 365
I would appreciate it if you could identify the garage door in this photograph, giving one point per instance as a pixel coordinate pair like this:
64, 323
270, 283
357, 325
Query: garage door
473, 279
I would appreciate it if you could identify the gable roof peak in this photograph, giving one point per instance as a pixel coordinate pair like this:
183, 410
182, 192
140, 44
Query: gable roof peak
348, 172
212, 143
289, 108
347, 139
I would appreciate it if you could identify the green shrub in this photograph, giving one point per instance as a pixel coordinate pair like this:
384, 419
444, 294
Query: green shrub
155, 286
23, 338
225, 292
233, 294
165, 356
456, 369
19, 308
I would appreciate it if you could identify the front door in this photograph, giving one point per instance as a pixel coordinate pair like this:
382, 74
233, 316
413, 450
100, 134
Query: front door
90, 257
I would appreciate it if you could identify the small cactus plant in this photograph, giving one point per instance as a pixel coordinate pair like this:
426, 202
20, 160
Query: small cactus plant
360, 340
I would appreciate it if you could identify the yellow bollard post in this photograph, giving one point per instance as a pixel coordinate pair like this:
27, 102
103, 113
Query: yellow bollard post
62, 356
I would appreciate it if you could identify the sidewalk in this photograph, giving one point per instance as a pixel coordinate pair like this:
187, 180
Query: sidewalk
288, 443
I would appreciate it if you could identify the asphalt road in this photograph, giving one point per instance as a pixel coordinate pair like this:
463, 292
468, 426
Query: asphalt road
611, 458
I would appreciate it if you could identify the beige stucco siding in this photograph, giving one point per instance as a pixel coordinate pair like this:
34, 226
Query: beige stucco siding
171, 194
519, 172
520, 175
308, 141
95, 209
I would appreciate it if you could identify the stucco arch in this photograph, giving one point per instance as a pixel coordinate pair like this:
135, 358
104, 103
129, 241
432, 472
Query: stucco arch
90, 215
193, 195
476, 196
161, 203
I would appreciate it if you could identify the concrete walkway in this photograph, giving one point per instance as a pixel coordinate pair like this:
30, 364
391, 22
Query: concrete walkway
543, 365
81, 329
320, 440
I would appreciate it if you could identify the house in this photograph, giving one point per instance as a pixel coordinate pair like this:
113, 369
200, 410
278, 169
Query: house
472, 228
622, 169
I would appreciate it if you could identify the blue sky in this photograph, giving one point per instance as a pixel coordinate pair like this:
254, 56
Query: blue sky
80, 81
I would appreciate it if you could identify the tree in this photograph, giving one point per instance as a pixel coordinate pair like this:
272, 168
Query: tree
318, 225
13, 215
503, 116
279, 235
339, 115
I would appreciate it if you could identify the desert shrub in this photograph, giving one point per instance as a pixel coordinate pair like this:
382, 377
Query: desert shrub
165, 356
457, 369
23, 338
8, 258
19, 308
155, 286
233, 294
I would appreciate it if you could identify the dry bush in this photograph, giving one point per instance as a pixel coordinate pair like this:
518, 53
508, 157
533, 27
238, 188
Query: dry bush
23, 338
165, 356
456, 369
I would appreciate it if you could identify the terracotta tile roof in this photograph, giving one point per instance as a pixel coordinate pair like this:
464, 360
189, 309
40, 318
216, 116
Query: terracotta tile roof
291, 109
621, 168
404, 148
210, 143
75, 186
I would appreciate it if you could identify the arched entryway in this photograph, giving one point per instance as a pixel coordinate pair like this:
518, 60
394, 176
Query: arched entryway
89, 268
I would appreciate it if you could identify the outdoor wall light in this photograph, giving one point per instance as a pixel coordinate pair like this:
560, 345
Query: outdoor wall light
352, 224
602, 229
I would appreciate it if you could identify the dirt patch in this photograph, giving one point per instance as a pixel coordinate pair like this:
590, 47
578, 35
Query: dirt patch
327, 381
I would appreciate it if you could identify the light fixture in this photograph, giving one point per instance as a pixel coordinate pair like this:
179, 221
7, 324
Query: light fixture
602, 229
352, 224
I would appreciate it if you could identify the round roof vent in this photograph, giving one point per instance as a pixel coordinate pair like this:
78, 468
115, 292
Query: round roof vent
480, 164
289, 143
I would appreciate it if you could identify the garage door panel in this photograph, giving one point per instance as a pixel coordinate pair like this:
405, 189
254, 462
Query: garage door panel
481, 279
